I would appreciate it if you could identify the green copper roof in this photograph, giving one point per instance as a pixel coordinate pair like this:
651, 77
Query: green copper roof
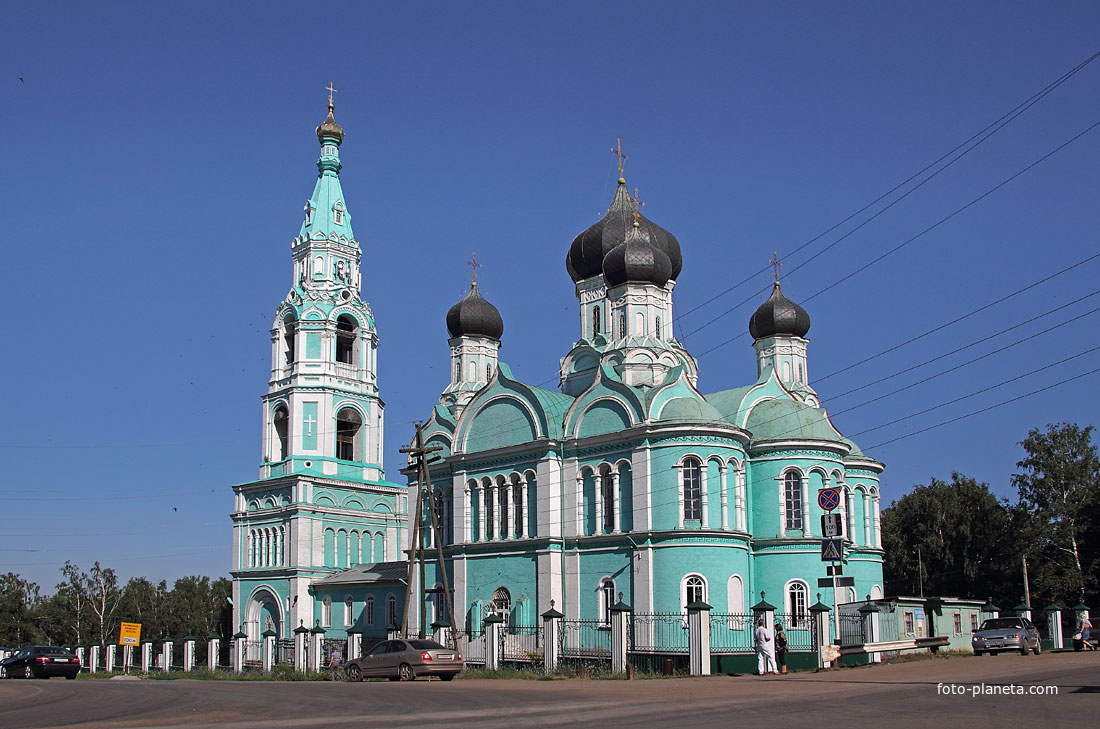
327, 205
783, 419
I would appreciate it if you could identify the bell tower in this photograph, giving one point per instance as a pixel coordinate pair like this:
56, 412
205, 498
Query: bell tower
321, 504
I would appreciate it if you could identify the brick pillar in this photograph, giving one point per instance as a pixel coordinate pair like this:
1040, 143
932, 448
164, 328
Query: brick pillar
620, 639
819, 613
188, 653
1054, 625
268, 653
213, 648
166, 653
699, 638
551, 629
492, 642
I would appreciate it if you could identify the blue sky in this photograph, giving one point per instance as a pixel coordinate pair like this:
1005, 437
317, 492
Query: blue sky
156, 159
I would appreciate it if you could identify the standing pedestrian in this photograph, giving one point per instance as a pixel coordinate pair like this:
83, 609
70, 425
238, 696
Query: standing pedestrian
765, 649
781, 647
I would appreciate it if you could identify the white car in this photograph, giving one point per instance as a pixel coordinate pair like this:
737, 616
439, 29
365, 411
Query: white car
1006, 634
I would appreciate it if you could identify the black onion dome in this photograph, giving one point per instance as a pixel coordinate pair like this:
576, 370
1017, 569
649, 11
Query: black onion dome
586, 254
474, 317
329, 127
779, 315
636, 260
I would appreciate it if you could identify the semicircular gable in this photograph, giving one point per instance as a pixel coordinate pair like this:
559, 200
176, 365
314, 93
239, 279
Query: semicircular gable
603, 416
502, 422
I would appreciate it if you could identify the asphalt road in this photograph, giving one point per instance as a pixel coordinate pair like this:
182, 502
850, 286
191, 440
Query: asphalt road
902, 695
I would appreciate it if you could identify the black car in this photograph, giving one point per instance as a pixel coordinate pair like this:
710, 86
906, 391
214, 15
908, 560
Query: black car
41, 661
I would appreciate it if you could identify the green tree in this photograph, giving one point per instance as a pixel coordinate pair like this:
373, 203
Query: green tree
145, 603
1059, 489
19, 603
950, 538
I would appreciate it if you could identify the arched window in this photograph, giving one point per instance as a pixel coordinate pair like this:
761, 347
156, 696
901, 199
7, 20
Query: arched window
487, 491
502, 603
290, 329
368, 610
693, 589
606, 599
792, 500
622, 326
691, 473
595, 320
657, 327
472, 372
798, 613
349, 615
281, 422
517, 506
639, 324
458, 371
326, 612
488, 372
502, 494
347, 330
437, 512
391, 609
607, 493
319, 267
801, 376
348, 424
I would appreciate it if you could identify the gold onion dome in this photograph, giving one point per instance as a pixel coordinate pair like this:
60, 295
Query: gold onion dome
329, 127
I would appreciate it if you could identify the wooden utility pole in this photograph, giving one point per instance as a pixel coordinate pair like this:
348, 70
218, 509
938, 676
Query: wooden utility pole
421, 455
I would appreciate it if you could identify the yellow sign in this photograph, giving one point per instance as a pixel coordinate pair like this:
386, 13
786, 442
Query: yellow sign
129, 634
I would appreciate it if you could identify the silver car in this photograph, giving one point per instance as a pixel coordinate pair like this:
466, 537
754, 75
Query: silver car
1006, 634
404, 660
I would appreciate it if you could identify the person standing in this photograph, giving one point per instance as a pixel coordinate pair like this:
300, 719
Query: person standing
765, 649
781, 647
1086, 630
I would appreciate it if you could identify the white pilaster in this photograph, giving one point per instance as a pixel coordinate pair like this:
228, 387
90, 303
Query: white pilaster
724, 498
617, 501
703, 471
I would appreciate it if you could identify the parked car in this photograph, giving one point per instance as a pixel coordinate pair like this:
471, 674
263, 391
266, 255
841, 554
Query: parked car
1006, 634
404, 660
41, 661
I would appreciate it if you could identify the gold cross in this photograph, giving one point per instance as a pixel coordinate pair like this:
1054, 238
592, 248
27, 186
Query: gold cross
775, 265
474, 265
331, 91
618, 150
637, 203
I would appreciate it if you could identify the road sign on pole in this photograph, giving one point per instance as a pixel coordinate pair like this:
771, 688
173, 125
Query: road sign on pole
832, 550
840, 581
828, 499
832, 525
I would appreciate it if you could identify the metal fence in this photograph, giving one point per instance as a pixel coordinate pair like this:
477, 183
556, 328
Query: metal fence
472, 647
658, 633
731, 633
584, 639
521, 647
851, 629
799, 630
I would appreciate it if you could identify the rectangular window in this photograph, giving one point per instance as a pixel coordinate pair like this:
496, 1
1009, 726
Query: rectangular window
349, 616
369, 611
792, 497
910, 623
973, 622
958, 623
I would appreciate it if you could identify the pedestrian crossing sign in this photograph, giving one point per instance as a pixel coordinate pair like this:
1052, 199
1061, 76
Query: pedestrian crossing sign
832, 550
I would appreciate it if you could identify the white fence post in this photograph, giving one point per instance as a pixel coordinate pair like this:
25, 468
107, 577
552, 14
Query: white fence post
1054, 625
110, 664
166, 655
238, 651
300, 640
188, 653
619, 638
869, 625
551, 628
699, 638
820, 615
315, 637
355, 643
268, 650
79, 655
492, 642
93, 658
146, 656
213, 648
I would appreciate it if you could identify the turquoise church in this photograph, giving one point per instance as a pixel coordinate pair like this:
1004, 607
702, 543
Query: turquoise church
630, 479
321, 525
626, 480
